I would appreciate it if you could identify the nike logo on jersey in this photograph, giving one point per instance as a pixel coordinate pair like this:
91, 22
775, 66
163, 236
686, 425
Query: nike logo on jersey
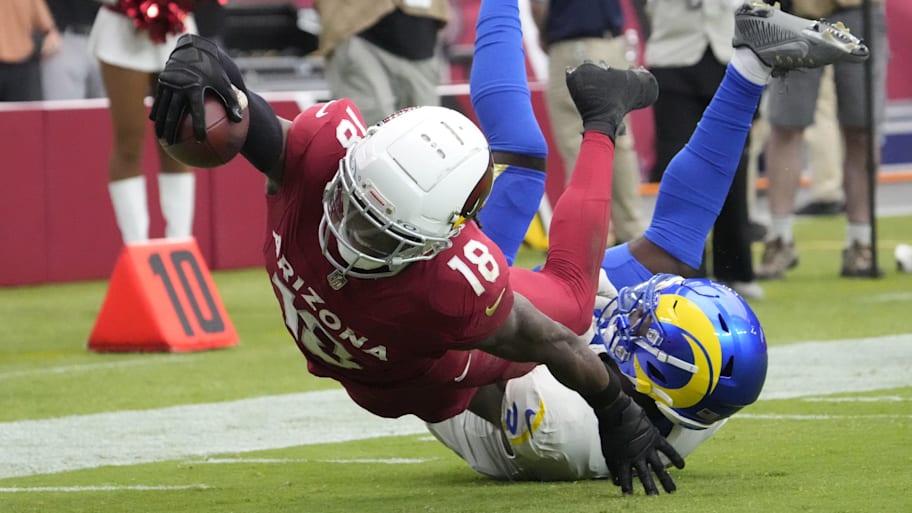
489, 311
530, 414
465, 372
322, 111
533, 418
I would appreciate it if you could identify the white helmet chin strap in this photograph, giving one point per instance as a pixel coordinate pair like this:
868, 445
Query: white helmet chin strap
679, 420
664, 357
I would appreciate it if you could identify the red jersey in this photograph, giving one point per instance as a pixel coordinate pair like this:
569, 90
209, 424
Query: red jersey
397, 344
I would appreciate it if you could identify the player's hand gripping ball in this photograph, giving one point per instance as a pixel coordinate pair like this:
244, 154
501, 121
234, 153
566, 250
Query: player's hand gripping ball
224, 139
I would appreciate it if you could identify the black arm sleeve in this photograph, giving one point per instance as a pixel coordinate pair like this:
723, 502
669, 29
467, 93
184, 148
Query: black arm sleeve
265, 140
265, 143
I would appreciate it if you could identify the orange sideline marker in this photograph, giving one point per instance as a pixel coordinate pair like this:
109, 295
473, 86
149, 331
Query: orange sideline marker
161, 297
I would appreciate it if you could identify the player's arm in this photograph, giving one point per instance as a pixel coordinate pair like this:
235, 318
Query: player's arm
197, 66
540, 10
629, 440
528, 335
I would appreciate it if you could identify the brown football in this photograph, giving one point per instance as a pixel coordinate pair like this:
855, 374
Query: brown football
224, 139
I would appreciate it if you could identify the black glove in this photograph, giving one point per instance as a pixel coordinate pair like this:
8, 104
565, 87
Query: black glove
195, 66
631, 441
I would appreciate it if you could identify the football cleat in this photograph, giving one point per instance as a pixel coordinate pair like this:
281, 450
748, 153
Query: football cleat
786, 42
604, 95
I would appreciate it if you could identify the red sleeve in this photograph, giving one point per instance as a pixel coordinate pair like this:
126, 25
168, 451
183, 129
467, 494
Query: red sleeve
317, 139
474, 296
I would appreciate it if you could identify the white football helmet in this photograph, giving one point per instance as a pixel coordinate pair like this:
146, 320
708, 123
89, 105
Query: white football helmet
402, 192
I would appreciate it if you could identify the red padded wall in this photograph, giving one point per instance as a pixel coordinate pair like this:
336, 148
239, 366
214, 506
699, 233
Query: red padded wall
23, 219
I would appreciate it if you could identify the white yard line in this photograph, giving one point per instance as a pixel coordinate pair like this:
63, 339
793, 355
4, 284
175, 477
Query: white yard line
887, 297
133, 437
32, 447
102, 488
785, 416
382, 461
822, 368
88, 367
875, 399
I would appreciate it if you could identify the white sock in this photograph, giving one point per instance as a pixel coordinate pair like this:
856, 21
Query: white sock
781, 228
746, 62
860, 233
130, 208
177, 196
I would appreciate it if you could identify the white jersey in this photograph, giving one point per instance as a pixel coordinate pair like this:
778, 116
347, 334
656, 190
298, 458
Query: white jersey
547, 433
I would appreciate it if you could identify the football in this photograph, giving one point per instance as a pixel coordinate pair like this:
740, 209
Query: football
224, 139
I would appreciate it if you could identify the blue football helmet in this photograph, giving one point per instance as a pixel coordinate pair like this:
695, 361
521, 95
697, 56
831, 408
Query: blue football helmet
692, 345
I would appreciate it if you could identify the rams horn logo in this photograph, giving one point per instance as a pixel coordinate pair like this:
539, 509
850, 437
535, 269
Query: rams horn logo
684, 389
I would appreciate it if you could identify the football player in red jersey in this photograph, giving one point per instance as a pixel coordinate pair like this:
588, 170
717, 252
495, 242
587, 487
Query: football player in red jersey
385, 280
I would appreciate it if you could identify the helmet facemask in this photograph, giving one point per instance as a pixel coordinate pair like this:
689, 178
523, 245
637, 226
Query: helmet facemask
402, 192
633, 324
676, 340
366, 236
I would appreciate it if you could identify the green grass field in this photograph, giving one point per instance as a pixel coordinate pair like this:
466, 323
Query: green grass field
845, 451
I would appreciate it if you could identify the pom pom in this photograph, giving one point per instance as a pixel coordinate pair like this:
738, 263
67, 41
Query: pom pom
160, 18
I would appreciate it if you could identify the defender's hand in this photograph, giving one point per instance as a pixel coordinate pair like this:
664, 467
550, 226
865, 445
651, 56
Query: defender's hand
631, 442
195, 66
605, 294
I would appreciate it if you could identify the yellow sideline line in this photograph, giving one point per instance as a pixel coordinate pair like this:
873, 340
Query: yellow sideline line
905, 175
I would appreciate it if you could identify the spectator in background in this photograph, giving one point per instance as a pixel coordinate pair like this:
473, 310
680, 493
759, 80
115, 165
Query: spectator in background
572, 31
27, 34
72, 73
688, 50
823, 143
790, 114
132, 51
759, 132
381, 53
210, 17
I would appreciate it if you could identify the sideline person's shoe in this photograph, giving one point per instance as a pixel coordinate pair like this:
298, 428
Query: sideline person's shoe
749, 290
858, 262
777, 258
822, 208
785, 42
756, 231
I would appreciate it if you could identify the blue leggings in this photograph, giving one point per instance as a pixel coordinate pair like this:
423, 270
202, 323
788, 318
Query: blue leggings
565, 287
696, 182
693, 188
501, 98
